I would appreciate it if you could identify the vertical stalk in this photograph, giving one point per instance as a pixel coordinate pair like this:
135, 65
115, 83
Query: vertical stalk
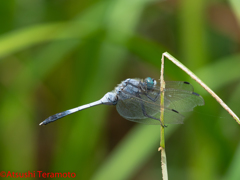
162, 138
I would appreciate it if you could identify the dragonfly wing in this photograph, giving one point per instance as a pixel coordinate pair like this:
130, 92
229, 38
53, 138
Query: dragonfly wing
133, 109
178, 85
183, 101
179, 95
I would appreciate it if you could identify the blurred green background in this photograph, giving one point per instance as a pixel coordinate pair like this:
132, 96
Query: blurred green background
59, 54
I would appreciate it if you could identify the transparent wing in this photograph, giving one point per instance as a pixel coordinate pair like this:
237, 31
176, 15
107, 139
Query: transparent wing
182, 101
179, 95
132, 108
178, 85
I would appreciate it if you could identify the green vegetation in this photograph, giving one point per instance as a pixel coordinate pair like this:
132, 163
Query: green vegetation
56, 55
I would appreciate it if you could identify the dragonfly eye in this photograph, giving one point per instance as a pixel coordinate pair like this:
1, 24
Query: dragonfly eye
150, 83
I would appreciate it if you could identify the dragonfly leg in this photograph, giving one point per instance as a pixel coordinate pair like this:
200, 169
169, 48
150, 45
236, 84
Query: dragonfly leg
141, 85
153, 99
147, 115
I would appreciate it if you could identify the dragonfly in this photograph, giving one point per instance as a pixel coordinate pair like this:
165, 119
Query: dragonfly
138, 100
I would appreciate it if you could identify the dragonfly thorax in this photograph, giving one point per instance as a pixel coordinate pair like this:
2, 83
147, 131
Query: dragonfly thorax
128, 86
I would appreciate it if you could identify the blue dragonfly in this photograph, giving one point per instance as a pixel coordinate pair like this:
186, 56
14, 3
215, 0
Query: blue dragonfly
139, 101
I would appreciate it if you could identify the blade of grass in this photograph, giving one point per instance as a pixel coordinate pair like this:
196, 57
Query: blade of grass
217, 71
233, 169
235, 4
83, 24
26, 37
22, 90
192, 75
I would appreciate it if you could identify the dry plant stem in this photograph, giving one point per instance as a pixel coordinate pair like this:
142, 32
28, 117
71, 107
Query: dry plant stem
192, 75
164, 164
162, 139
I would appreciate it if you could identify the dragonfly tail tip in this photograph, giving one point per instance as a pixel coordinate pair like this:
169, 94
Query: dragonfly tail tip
41, 124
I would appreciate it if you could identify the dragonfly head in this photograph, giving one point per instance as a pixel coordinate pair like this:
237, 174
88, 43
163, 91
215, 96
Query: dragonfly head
150, 82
